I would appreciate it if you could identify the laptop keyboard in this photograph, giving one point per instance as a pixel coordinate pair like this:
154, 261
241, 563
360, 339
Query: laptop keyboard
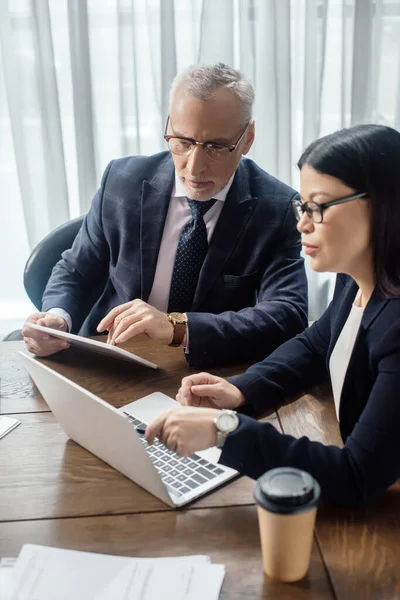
179, 475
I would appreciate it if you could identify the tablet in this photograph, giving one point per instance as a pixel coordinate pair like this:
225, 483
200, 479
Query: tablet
93, 346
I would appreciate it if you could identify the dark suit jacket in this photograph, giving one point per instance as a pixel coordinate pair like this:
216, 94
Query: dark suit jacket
369, 411
251, 294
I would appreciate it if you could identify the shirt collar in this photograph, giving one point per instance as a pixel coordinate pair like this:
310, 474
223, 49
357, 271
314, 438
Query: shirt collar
179, 189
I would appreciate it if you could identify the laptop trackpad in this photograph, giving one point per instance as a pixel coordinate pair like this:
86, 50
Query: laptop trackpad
150, 407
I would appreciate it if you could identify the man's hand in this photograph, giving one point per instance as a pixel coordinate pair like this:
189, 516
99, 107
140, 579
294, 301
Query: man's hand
209, 391
185, 429
130, 319
40, 343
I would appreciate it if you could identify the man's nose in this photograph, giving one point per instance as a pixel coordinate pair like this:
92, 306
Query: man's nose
197, 161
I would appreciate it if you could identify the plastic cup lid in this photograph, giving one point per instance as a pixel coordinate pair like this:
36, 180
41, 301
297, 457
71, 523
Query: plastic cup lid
286, 489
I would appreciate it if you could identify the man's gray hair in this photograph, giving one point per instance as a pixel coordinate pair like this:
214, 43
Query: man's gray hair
201, 82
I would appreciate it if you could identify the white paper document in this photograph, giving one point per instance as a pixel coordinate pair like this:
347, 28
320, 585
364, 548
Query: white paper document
6, 577
7, 424
170, 581
45, 573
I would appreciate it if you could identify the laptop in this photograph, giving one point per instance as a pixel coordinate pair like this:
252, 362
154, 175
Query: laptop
93, 345
111, 435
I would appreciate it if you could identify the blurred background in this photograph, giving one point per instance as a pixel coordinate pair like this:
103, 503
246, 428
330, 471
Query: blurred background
86, 81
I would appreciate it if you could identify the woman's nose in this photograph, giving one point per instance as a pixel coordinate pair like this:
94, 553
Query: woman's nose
305, 225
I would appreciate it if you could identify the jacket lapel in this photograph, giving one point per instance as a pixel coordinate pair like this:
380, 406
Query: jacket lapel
359, 353
375, 305
156, 195
342, 310
238, 207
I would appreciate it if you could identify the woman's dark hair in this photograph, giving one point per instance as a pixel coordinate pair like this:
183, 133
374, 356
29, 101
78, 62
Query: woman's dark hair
367, 159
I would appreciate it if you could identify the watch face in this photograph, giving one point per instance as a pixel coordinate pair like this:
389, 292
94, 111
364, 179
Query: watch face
227, 422
178, 317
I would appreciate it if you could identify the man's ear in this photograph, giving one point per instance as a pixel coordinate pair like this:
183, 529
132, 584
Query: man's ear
249, 138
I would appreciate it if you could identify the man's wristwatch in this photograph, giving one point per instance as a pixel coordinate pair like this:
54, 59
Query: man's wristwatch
226, 422
179, 321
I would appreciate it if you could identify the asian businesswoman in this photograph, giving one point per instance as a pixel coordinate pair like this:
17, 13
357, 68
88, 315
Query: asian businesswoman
349, 219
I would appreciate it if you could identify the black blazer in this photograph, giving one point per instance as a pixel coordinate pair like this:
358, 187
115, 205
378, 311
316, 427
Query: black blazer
369, 411
252, 290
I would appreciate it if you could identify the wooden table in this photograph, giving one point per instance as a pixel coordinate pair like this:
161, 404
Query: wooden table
54, 492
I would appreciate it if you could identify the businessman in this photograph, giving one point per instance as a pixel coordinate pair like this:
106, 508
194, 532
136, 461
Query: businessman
195, 247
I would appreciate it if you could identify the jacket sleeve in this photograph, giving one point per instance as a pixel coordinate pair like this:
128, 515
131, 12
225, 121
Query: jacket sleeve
351, 476
279, 314
79, 276
295, 366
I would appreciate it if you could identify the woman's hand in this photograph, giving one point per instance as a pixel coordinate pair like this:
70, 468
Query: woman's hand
208, 391
184, 429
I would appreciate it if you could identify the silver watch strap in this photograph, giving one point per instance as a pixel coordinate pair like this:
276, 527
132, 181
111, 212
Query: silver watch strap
221, 439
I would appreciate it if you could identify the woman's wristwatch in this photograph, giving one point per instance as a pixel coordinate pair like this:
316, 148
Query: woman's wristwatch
226, 422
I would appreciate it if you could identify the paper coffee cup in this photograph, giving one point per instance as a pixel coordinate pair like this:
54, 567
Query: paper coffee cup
287, 500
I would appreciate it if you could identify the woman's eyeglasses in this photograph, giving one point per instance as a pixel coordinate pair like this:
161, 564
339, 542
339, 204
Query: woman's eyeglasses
315, 210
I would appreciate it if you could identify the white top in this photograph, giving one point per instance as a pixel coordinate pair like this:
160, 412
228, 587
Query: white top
340, 357
178, 215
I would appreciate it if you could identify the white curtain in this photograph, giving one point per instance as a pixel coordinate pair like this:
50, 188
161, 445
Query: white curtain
85, 81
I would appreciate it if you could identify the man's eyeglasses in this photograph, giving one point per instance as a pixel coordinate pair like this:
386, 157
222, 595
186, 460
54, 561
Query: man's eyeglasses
315, 210
183, 146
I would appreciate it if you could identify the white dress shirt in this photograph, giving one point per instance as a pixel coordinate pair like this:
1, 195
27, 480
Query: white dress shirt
60, 312
340, 357
178, 215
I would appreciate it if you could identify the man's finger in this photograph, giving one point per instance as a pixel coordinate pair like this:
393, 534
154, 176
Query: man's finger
123, 325
53, 321
34, 333
132, 331
45, 348
110, 317
108, 320
110, 336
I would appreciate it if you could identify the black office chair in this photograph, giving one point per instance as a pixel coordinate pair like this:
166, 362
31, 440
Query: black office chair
41, 261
